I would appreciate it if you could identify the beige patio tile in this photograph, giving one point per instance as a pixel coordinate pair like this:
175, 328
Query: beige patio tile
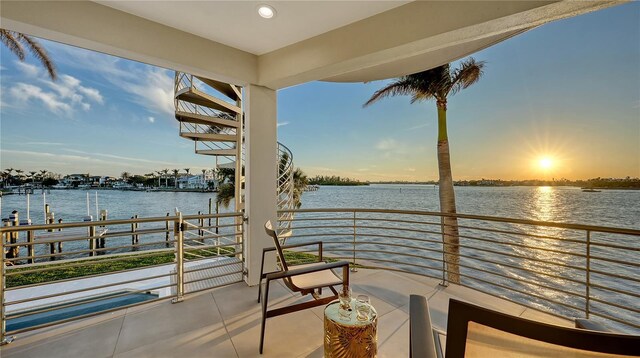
93, 340
166, 321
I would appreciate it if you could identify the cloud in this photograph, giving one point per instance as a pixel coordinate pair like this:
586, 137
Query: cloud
387, 144
411, 169
68, 93
25, 92
44, 143
27, 69
147, 86
152, 89
92, 93
112, 156
418, 126
43, 154
69, 87
393, 148
281, 124
151, 119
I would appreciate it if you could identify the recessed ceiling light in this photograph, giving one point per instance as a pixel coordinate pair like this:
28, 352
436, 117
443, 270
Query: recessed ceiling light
266, 11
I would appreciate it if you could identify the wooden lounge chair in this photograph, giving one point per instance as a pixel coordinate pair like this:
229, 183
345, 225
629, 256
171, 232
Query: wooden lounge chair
306, 279
474, 331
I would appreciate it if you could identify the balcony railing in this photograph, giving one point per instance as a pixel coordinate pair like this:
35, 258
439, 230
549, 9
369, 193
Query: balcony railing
566, 269
157, 258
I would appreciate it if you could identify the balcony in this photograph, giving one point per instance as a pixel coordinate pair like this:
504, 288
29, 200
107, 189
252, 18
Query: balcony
550, 272
225, 322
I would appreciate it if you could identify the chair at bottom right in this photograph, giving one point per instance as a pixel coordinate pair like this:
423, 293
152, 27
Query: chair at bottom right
474, 331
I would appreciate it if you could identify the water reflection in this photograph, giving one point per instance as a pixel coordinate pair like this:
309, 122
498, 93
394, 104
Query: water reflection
546, 205
544, 198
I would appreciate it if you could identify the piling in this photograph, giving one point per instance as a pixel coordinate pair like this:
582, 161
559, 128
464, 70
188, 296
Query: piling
210, 202
217, 217
30, 241
166, 231
5, 237
103, 217
13, 251
31, 251
134, 228
60, 242
50, 221
91, 233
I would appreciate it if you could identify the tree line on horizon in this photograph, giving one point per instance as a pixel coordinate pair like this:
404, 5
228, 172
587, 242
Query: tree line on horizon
335, 180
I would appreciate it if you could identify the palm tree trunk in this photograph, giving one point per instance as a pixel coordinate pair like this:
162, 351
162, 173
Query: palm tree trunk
447, 199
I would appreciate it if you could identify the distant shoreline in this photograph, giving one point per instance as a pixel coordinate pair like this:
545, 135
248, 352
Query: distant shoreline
519, 186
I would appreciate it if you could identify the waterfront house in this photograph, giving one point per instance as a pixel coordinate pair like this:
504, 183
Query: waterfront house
228, 46
196, 181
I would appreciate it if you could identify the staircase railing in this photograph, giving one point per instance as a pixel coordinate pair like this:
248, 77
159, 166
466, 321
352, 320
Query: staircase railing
285, 184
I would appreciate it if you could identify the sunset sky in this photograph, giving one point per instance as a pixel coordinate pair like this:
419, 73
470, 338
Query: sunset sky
560, 101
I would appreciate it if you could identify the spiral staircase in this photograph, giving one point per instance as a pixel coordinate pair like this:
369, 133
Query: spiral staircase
210, 114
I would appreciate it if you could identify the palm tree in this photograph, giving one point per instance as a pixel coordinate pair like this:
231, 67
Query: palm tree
8, 177
204, 178
438, 84
43, 173
166, 180
16, 42
175, 177
159, 172
300, 182
227, 188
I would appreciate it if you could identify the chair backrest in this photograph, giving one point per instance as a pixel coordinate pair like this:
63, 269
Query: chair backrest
268, 227
422, 343
474, 331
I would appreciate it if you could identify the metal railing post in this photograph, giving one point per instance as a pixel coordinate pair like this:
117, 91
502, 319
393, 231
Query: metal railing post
3, 322
588, 278
179, 237
353, 267
444, 255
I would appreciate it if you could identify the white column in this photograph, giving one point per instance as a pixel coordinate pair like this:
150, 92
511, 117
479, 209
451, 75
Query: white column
261, 140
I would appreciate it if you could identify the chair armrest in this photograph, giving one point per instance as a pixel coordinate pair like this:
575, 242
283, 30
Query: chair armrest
421, 335
305, 270
591, 325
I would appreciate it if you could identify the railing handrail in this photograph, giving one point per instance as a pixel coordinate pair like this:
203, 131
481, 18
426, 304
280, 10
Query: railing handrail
179, 252
535, 272
573, 226
76, 224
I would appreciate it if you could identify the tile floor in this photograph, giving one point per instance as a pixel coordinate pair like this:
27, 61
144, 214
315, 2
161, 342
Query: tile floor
225, 322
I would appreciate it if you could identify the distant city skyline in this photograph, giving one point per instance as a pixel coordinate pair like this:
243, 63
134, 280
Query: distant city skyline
559, 101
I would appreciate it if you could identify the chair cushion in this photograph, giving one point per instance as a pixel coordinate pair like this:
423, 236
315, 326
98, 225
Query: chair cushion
312, 280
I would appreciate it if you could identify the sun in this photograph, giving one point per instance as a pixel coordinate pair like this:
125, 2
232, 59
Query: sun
545, 163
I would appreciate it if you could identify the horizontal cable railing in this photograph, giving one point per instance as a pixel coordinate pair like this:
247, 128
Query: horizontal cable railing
569, 270
51, 274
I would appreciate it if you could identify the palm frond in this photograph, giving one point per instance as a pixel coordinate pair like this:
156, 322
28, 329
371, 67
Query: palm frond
467, 74
226, 192
40, 53
7, 38
401, 87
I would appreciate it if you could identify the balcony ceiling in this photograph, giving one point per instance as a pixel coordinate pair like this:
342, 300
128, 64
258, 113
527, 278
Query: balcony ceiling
342, 41
237, 23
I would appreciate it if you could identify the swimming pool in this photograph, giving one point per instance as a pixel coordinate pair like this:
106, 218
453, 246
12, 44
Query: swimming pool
63, 311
